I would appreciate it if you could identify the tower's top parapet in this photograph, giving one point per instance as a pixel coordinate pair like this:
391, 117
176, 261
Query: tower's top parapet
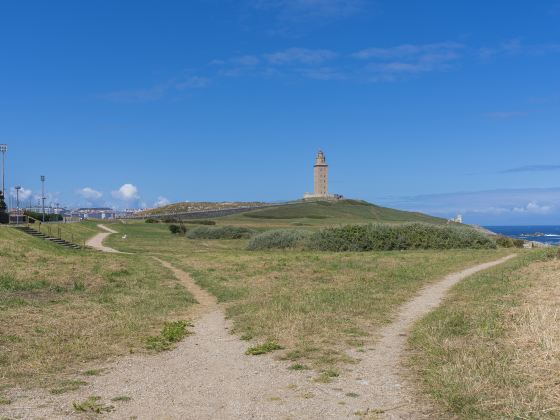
320, 159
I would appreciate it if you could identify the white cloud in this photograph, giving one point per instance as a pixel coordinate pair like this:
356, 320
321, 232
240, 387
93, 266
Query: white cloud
534, 208
89, 193
161, 201
24, 193
127, 193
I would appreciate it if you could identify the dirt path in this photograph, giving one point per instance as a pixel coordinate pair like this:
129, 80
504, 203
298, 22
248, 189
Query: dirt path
96, 242
208, 376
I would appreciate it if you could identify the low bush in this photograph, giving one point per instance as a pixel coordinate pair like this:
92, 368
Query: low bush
176, 229
398, 237
278, 239
222, 232
150, 220
507, 242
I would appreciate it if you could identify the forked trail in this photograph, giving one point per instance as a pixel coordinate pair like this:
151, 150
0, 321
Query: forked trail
208, 375
97, 240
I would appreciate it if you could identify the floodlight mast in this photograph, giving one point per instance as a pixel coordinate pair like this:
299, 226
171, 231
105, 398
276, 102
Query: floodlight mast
3, 149
43, 195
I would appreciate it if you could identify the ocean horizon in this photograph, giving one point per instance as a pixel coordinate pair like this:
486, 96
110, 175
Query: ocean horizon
549, 234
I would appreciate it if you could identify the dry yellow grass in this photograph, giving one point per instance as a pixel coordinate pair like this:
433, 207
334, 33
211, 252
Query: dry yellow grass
61, 309
493, 349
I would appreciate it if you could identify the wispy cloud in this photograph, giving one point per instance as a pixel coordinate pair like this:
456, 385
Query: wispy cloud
297, 10
300, 56
397, 62
532, 168
158, 91
516, 46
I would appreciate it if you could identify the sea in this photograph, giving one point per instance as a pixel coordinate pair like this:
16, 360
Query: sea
546, 234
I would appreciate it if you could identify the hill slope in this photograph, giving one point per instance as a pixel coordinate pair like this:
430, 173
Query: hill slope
343, 210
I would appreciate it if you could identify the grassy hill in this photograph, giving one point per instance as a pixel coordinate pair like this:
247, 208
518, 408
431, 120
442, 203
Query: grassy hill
345, 211
195, 206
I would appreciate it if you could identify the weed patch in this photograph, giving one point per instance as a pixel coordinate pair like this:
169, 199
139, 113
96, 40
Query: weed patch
263, 348
172, 332
66, 386
92, 405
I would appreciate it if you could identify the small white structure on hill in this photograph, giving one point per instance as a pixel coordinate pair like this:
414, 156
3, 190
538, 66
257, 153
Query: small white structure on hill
457, 219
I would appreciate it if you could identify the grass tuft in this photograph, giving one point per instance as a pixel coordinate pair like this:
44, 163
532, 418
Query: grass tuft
66, 386
92, 405
263, 348
123, 398
172, 332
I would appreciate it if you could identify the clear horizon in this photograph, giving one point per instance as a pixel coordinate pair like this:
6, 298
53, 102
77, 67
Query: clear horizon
434, 107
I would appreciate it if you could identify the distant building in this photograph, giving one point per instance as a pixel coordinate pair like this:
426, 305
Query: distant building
97, 213
321, 180
457, 219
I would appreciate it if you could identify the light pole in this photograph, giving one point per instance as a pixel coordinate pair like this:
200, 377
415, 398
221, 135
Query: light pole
17, 203
3, 149
43, 195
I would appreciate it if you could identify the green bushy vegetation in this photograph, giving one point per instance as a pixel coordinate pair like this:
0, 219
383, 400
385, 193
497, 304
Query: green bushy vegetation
175, 229
278, 239
151, 220
222, 232
397, 237
506, 242
4, 217
190, 222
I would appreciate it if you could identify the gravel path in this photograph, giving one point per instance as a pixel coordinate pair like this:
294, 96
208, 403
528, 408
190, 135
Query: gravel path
96, 242
208, 375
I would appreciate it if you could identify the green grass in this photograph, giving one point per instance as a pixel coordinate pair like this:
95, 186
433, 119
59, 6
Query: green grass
76, 232
338, 211
60, 308
314, 304
489, 350
172, 333
263, 348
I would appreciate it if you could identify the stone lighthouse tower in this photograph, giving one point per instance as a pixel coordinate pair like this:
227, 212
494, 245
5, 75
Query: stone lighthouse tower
320, 176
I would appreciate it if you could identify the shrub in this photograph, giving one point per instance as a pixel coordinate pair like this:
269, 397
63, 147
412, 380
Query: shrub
278, 239
200, 222
507, 242
175, 229
223, 232
151, 220
398, 237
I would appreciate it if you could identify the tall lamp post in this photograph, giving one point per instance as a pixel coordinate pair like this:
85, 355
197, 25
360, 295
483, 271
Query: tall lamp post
43, 195
3, 149
17, 203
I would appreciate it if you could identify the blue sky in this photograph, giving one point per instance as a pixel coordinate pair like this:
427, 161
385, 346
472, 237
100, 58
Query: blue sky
437, 106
